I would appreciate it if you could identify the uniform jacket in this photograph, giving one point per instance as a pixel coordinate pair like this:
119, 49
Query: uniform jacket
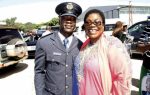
54, 65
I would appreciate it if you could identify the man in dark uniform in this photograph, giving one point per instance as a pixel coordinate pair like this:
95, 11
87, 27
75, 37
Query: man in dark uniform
56, 52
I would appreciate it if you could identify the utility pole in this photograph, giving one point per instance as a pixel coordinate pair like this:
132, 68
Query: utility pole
130, 14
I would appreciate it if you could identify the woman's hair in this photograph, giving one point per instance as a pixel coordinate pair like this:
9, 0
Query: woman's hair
95, 11
118, 27
118, 24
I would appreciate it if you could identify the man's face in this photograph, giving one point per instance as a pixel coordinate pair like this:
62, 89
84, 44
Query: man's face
67, 24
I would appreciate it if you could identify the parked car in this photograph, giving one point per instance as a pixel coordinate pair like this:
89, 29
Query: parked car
31, 40
140, 31
13, 48
31, 46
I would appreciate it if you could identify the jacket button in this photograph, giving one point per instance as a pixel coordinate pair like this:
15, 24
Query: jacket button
66, 76
67, 86
66, 65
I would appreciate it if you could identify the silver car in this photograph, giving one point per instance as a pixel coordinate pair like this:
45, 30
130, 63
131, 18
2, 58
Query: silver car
13, 48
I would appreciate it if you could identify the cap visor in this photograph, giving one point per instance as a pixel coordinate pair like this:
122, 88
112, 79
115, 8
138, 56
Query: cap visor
68, 14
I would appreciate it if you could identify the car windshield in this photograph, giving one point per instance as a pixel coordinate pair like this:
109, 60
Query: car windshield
137, 27
138, 30
8, 34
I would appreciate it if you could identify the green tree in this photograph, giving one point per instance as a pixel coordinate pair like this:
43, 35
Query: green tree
20, 26
29, 26
11, 21
54, 21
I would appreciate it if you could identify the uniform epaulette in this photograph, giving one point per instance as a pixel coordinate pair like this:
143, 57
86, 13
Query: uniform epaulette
46, 35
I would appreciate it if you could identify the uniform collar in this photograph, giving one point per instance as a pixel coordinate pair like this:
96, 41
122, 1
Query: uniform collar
62, 37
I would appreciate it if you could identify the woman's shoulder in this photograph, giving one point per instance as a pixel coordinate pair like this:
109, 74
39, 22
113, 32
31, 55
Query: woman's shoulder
115, 44
113, 41
85, 44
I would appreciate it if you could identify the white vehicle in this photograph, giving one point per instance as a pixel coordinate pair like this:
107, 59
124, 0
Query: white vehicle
13, 48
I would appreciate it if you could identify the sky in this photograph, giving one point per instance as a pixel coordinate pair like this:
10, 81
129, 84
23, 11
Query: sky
38, 11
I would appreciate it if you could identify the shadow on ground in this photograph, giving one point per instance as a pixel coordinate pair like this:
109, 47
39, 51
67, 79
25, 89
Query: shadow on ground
134, 93
31, 57
5, 72
135, 82
137, 56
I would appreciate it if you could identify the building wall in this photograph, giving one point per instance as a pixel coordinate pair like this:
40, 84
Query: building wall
118, 13
135, 18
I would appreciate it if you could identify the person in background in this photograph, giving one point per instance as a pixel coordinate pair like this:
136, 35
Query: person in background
125, 28
56, 53
32, 36
118, 30
103, 64
47, 31
125, 33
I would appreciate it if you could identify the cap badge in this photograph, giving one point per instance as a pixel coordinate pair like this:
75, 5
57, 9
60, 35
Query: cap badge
69, 6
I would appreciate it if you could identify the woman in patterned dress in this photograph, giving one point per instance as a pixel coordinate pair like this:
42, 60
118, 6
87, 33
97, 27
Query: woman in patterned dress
103, 65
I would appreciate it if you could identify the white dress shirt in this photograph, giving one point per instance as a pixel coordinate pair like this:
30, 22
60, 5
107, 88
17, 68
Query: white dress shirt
63, 37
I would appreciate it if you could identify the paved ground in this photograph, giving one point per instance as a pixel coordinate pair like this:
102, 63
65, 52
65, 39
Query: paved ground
136, 69
19, 80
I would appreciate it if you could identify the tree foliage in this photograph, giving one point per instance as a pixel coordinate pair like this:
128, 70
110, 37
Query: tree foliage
29, 26
11, 21
54, 21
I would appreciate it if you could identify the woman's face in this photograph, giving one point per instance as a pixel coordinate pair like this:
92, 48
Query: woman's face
94, 26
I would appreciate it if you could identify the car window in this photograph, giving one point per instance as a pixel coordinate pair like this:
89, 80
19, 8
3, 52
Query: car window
109, 27
40, 32
135, 28
8, 34
13, 32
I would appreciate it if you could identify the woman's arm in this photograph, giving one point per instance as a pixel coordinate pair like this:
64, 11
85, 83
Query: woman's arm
120, 65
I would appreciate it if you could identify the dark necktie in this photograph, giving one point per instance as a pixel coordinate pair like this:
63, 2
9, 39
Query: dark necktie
66, 41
